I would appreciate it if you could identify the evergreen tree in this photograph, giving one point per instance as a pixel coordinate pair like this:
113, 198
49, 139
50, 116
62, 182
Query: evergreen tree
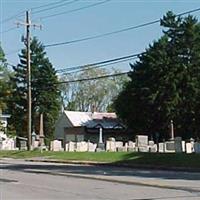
165, 82
4, 81
45, 94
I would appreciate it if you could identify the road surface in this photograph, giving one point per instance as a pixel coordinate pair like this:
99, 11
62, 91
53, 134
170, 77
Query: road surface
28, 180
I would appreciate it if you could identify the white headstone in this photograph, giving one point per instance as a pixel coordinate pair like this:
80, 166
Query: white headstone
143, 149
151, 143
141, 140
119, 144
131, 144
71, 147
161, 147
111, 146
189, 148
183, 146
66, 146
81, 146
91, 147
56, 145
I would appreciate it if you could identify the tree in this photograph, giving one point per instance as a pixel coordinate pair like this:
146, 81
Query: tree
165, 82
4, 81
91, 94
44, 87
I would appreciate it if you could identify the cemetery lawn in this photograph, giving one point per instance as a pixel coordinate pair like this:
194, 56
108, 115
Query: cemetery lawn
135, 159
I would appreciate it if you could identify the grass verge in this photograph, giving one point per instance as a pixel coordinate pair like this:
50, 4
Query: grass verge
131, 159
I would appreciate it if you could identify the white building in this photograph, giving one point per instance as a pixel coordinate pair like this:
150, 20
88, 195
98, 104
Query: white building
3, 122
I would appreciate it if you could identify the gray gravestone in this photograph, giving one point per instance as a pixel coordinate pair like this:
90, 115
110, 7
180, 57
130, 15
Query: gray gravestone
197, 147
178, 145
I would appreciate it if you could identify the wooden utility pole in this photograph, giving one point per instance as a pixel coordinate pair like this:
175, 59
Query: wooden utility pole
27, 41
28, 77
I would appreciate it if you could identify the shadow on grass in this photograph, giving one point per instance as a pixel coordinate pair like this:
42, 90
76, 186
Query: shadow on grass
102, 169
162, 161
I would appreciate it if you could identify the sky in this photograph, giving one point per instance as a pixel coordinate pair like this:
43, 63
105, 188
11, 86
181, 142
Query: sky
109, 16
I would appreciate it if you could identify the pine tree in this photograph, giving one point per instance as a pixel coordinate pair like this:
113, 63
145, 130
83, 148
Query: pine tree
165, 82
45, 94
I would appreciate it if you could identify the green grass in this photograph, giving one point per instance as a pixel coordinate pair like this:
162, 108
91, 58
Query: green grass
144, 159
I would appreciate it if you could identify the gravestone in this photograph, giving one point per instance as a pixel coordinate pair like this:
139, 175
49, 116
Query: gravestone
178, 144
131, 144
23, 145
143, 149
197, 147
141, 140
121, 149
66, 147
91, 147
119, 144
110, 146
81, 146
169, 147
153, 148
189, 148
183, 146
132, 149
161, 147
56, 145
142, 143
151, 143
71, 147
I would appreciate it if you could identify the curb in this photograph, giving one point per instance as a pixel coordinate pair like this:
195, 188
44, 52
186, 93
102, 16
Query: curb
109, 179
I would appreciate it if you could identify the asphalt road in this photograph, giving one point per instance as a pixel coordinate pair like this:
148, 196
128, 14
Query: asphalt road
27, 180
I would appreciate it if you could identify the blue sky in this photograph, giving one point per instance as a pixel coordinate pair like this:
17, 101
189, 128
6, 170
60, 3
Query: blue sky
107, 17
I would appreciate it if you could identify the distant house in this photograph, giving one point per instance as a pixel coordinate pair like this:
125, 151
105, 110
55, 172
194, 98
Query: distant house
3, 122
84, 126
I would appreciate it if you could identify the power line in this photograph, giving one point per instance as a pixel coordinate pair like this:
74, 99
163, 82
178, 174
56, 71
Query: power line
99, 66
46, 5
12, 17
92, 78
53, 7
115, 32
8, 30
21, 13
74, 10
87, 79
100, 63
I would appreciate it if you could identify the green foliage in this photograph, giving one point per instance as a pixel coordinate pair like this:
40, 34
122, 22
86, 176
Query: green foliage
165, 82
93, 94
45, 93
4, 81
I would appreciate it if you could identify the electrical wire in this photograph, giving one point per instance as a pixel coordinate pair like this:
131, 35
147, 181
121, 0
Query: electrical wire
99, 63
115, 32
74, 10
33, 8
99, 66
8, 30
53, 7
46, 5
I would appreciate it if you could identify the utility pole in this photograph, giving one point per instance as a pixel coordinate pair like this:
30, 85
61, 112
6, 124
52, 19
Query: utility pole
27, 41
28, 77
